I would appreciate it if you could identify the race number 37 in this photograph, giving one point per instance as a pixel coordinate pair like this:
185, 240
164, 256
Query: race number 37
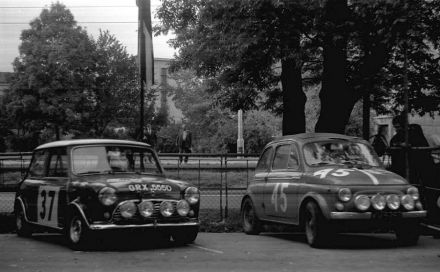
47, 203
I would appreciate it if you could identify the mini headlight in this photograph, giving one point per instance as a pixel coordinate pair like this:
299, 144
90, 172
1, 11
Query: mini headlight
166, 208
183, 208
413, 192
146, 208
128, 209
393, 202
107, 196
408, 202
362, 202
378, 202
192, 195
344, 194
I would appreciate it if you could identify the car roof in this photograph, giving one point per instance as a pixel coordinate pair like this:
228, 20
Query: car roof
312, 137
65, 143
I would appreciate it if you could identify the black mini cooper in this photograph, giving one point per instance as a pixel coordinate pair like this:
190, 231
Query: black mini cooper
79, 187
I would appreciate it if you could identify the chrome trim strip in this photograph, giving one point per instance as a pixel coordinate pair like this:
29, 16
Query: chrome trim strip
350, 215
150, 225
414, 214
368, 215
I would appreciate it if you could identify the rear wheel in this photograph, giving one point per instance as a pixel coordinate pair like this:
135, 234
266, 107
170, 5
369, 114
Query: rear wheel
21, 225
77, 232
407, 233
250, 222
315, 225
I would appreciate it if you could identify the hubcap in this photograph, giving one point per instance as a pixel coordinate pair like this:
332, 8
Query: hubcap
75, 230
310, 227
19, 221
248, 217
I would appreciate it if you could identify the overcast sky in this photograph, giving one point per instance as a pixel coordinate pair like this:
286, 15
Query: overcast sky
117, 16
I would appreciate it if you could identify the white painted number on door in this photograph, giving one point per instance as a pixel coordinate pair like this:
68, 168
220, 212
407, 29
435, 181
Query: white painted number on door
47, 203
281, 197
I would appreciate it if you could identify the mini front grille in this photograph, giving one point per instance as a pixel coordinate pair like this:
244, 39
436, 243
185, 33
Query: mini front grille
138, 218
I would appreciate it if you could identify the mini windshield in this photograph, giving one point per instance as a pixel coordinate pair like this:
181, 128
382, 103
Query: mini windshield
337, 152
112, 159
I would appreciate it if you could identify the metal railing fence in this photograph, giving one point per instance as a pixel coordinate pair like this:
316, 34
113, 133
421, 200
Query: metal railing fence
221, 178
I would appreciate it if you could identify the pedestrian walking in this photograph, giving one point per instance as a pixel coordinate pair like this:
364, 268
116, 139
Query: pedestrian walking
184, 142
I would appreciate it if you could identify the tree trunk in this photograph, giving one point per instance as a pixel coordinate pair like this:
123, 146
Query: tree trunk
294, 98
336, 97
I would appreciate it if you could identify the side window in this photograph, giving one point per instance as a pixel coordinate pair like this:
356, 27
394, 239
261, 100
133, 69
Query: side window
264, 162
281, 157
58, 163
293, 162
38, 167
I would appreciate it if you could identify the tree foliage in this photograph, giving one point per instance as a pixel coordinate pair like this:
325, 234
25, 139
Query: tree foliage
349, 48
67, 83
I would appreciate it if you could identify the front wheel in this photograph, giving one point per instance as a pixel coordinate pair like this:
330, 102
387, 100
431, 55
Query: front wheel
77, 232
315, 225
250, 222
21, 225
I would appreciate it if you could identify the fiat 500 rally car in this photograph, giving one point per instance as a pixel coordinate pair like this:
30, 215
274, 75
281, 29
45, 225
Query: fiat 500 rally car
326, 183
79, 187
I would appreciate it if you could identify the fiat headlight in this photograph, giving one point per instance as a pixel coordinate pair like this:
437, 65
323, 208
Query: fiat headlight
413, 192
128, 209
183, 208
107, 196
408, 202
166, 208
146, 208
362, 202
192, 195
393, 202
344, 194
378, 202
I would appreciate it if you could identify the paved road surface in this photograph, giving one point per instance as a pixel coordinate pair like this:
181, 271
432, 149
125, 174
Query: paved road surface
222, 252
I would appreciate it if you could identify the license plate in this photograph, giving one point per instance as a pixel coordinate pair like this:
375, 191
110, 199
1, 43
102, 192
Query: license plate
387, 215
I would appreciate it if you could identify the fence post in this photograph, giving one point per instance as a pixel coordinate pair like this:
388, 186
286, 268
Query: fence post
221, 187
226, 186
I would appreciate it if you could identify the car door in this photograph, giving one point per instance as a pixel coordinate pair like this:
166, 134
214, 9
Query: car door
281, 199
52, 195
45, 187
258, 184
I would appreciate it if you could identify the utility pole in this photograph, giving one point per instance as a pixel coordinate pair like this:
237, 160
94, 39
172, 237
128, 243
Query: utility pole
240, 140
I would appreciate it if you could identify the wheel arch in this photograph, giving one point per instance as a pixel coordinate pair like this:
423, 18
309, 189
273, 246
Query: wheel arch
74, 207
319, 200
20, 203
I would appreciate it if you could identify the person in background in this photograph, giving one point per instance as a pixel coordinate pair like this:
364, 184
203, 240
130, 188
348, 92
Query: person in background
397, 143
380, 143
149, 137
184, 142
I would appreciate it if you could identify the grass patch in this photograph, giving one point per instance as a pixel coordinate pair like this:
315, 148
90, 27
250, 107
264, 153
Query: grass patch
210, 221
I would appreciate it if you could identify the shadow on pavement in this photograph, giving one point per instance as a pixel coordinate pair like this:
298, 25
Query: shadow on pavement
347, 241
113, 241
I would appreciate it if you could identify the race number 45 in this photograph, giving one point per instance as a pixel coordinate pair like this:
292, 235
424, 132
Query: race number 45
279, 198
47, 203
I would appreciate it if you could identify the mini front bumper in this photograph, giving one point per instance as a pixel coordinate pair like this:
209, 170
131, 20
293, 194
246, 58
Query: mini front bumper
370, 215
146, 226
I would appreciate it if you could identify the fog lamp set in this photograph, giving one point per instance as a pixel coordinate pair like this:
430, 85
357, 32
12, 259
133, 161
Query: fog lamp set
146, 208
379, 202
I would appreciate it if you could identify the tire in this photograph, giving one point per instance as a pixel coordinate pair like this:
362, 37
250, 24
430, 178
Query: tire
77, 233
315, 225
185, 235
249, 220
22, 227
407, 233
